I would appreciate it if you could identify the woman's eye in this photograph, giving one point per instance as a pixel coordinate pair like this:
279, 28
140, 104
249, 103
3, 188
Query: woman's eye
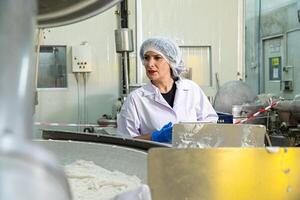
157, 57
146, 57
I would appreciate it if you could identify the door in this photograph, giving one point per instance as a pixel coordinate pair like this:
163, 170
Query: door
273, 59
293, 59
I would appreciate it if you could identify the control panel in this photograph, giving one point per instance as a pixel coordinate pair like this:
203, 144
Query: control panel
288, 78
274, 60
81, 58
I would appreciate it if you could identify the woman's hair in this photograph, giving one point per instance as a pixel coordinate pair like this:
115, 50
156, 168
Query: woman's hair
168, 49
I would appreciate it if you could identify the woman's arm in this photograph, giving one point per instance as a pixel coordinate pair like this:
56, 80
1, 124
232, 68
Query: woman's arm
144, 137
128, 120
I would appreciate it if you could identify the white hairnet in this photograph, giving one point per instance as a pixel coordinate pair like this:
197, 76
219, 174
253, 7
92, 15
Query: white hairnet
168, 49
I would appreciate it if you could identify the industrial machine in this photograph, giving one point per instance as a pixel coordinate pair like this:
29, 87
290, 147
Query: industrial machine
113, 157
282, 122
28, 171
281, 118
224, 173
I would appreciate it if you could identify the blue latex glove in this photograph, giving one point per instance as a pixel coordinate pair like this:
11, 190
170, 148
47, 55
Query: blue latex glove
164, 134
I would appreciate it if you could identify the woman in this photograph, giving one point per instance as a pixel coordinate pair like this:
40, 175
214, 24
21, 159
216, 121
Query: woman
149, 112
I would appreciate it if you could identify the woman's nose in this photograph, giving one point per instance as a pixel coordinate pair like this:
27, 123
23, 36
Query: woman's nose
150, 62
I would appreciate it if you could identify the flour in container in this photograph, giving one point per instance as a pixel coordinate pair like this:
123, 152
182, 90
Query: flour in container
89, 181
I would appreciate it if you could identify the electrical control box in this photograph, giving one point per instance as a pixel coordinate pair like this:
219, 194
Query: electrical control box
288, 78
81, 58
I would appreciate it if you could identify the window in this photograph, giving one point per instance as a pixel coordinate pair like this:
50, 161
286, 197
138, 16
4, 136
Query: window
198, 61
52, 67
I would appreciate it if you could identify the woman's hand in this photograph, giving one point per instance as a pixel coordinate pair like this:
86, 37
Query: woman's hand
164, 134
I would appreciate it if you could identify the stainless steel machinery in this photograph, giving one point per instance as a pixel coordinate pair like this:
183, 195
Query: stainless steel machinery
53, 13
224, 173
282, 120
112, 157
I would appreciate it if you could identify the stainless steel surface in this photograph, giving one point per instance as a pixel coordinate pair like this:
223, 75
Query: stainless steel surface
126, 74
17, 68
28, 172
289, 111
209, 135
124, 40
233, 93
224, 173
295, 108
52, 13
124, 45
111, 157
249, 109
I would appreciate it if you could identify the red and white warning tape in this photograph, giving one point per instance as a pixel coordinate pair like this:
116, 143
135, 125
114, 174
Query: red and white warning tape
262, 110
65, 124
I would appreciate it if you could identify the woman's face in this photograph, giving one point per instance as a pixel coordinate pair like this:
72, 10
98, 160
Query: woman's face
157, 67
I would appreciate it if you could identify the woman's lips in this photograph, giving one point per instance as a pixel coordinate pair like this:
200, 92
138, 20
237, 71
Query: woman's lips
151, 71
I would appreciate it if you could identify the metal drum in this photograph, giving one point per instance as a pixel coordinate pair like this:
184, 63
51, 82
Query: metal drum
296, 108
233, 93
112, 157
53, 13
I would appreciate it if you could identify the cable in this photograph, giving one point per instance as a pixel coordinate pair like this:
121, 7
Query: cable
78, 100
37, 64
37, 59
260, 72
86, 105
84, 98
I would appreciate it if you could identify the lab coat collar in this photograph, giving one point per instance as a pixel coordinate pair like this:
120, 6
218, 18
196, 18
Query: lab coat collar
182, 88
151, 89
181, 85
152, 92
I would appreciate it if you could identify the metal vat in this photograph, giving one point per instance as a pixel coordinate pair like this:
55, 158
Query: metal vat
112, 157
53, 13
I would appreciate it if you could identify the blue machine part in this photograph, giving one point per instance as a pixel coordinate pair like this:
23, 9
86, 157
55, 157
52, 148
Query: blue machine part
225, 118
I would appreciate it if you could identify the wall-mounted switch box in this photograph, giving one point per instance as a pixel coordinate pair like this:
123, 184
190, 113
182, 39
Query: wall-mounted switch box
288, 78
81, 58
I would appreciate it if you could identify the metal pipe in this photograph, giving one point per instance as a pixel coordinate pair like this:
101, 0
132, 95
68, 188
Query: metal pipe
259, 50
37, 55
139, 38
17, 22
126, 76
124, 13
125, 62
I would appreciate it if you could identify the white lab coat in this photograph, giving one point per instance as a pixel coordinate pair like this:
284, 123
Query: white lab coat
145, 110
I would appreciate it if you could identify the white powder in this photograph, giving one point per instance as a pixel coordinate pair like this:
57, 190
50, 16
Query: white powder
92, 182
